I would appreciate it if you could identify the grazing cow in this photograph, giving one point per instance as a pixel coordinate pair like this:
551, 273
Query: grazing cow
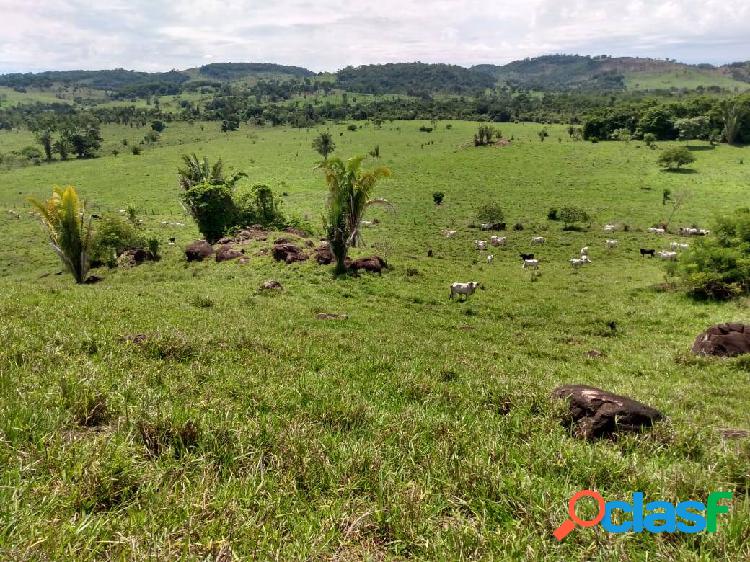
585, 251
498, 240
366, 224
480, 244
464, 289
449, 233
678, 246
610, 243
538, 240
172, 241
609, 228
656, 230
526, 256
703, 232
533, 264
490, 258
667, 255
578, 262
647, 252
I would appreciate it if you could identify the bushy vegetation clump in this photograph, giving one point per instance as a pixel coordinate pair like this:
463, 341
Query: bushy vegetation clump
718, 266
490, 213
571, 217
674, 157
112, 237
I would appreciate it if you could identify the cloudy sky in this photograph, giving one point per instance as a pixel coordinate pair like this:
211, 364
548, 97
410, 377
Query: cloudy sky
330, 34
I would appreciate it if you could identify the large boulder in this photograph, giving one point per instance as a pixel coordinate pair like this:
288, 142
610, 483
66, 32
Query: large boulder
132, 258
323, 254
288, 253
723, 340
597, 413
199, 251
373, 264
227, 253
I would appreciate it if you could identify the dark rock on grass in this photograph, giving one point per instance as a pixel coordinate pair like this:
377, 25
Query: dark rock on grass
199, 251
227, 253
331, 316
597, 413
227, 240
288, 253
249, 234
373, 264
594, 354
271, 285
323, 254
137, 339
92, 279
132, 258
723, 340
296, 231
285, 241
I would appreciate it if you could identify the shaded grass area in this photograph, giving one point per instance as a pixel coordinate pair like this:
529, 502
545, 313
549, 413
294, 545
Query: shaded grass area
177, 411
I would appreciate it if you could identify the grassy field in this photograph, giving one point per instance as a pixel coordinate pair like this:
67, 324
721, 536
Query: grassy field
687, 78
416, 428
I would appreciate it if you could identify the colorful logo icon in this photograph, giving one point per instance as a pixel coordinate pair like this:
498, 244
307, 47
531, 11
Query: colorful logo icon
653, 517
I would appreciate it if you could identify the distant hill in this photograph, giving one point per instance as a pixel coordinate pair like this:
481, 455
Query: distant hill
230, 71
576, 72
413, 78
546, 73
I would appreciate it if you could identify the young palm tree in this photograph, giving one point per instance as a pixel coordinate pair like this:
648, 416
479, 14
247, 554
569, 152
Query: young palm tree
69, 233
324, 144
198, 171
349, 195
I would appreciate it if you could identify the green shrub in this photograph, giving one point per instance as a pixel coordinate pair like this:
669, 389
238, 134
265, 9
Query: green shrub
490, 213
260, 206
572, 215
718, 266
213, 208
437, 197
675, 157
114, 236
552, 214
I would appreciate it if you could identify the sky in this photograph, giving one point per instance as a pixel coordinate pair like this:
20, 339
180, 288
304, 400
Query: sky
326, 35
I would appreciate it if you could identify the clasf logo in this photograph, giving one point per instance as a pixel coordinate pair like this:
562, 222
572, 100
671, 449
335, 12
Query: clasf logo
653, 517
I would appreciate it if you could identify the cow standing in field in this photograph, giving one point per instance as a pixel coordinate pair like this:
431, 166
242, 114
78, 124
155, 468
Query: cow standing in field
464, 289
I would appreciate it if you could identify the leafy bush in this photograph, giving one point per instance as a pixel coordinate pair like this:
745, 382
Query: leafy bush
114, 236
437, 197
490, 213
158, 126
675, 157
260, 206
485, 135
213, 208
552, 214
650, 140
718, 266
572, 215
351, 127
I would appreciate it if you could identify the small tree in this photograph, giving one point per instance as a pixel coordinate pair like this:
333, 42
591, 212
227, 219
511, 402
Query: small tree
349, 195
490, 213
650, 140
572, 215
437, 197
674, 157
63, 217
543, 134
158, 126
212, 207
197, 171
731, 115
324, 145
485, 135
691, 128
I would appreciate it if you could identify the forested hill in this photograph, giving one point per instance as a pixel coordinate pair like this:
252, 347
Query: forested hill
413, 78
551, 73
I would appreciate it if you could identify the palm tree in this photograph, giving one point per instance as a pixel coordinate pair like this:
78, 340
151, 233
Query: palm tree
349, 195
199, 171
731, 114
69, 233
324, 144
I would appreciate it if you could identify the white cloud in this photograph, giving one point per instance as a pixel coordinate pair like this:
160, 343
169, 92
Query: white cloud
330, 34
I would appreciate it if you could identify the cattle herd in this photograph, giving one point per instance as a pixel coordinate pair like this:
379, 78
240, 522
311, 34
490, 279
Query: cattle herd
530, 261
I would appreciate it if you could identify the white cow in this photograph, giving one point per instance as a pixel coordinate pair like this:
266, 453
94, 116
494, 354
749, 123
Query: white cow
656, 230
667, 255
498, 240
449, 233
490, 258
578, 262
678, 246
465, 289
611, 243
609, 228
538, 240
703, 232
480, 244
532, 264
584, 251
